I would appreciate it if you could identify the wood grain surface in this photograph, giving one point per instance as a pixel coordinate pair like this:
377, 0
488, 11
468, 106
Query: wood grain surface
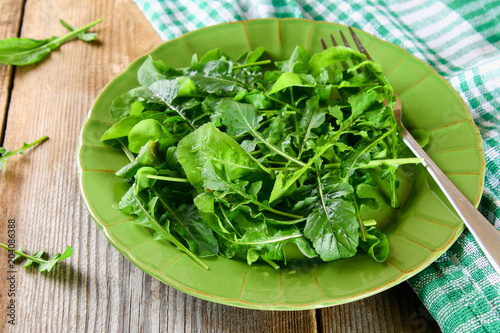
10, 24
97, 289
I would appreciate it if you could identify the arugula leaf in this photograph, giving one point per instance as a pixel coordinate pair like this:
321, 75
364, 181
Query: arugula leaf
37, 258
254, 55
210, 210
313, 117
241, 118
287, 80
209, 145
331, 56
166, 91
212, 55
124, 126
123, 105
5, 154
259, 242
148, 156
188, 223
217, 181
332, 226
376, 245
131, 203
298, 62
215, 77
26, 51
147, 130
152, 71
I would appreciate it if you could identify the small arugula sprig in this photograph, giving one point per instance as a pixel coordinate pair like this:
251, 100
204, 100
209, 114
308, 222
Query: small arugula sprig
43, 264
26, 51
5, 154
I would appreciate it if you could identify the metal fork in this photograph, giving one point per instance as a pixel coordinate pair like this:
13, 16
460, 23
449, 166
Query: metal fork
485, 234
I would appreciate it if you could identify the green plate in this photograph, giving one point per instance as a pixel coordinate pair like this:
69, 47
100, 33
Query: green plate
418, 233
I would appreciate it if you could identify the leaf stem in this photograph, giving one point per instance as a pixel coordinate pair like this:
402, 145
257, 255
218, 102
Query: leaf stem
6, 154
175, 109
74, 33
371, 145
375, 163
271, 263
26, 146
228, 221
396, 161
126, 151
284, 103
42, 139
358, 217
269, 241
170, 179
276, 150
370, 223
258, 203
257, 63
22, 254
323, 203
276, 111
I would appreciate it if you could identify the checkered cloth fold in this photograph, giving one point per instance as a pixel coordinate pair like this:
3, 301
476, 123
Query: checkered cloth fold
460, 40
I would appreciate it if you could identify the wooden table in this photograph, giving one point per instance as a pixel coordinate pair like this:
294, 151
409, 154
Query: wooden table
97, 289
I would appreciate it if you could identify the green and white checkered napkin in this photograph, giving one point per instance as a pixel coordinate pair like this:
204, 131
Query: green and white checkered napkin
460, 40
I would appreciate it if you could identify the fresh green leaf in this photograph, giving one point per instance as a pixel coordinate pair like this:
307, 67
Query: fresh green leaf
208, 144
152, 71
212, 55
124, 126
37, 258
122, 105
298, 62
332, 226
376, 244
142, 181
331, 56
259, 242
190, 226
148, 156
148, 130
313, 117
422, 136
254, 55
287, 80
241, 118
25, 51
5, 154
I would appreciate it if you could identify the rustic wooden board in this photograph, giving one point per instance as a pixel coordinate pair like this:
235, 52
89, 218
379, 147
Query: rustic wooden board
97, 289
395, 310
10, 23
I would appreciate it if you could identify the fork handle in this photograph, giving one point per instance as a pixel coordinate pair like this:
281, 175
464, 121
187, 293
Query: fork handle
483, 231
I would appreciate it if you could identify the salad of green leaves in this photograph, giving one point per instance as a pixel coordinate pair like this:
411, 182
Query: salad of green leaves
252, 159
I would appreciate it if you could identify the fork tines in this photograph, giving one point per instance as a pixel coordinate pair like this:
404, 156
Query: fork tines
355, 38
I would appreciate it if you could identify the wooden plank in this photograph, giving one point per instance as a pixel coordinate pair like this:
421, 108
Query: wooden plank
10, 23
395, 310
40, 190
